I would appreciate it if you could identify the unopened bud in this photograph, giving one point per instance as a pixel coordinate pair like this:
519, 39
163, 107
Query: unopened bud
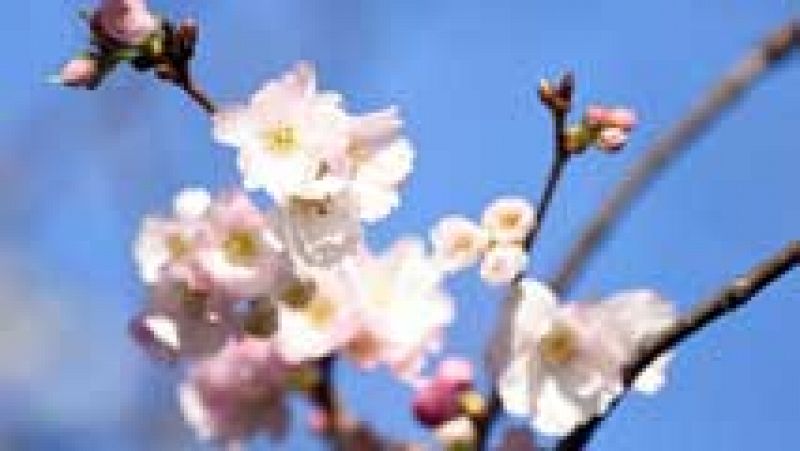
83, 72
612, 139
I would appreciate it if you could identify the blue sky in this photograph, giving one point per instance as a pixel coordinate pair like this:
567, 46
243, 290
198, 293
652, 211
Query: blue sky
78, 170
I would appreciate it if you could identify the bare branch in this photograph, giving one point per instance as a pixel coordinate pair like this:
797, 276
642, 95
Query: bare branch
736, 294
774, 49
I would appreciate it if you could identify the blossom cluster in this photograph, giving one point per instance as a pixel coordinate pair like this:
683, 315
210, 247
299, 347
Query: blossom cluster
254, 297
239, 289
500, 240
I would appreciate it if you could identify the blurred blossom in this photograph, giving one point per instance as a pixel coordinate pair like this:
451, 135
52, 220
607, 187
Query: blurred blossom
503, 263
458, 242
509, 220
236, 393
79, 72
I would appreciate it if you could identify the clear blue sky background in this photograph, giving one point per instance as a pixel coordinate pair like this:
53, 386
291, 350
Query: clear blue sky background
78, 170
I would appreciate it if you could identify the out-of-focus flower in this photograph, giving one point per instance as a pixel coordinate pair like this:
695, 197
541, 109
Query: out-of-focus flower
236, 393
566, 360
509, 220
82, 71
458, 242
180, 321
503, 263
439, 399
403, 309
128, 21
167, 247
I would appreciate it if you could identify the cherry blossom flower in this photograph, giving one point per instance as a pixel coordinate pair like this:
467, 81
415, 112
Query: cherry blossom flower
509, 220
285, 133
458, 242
566, 360
167, 247
128, 21
236, 393
403, 309
295, 141
316, 315
502, 263
243, 255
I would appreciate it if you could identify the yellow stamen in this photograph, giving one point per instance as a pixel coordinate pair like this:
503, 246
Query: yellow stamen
282, 140
558, 346
241, 247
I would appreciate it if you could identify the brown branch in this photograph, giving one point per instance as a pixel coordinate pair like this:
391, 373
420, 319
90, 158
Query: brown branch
734, 295
774, 49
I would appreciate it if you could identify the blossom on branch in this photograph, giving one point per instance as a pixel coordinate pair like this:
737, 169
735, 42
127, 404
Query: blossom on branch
566, 359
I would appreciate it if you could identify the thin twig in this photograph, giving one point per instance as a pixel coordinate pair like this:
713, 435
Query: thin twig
731, 297
558, 102
190, 87
774, 49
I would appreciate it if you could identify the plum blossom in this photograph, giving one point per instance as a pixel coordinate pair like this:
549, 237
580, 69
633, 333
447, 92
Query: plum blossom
128, 21
237, 393
566, 360
403, 309
458, 242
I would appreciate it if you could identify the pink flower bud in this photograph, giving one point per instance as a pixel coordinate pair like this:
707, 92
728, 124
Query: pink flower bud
82, 71
127, 21
612, 139
596, 115
455, 371
623, 118
437, 400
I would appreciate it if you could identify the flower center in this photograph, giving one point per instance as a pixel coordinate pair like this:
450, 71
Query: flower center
282, 140
510, 220
558, 346
299, 294
320, 311
177, 246
241, 247
463, 244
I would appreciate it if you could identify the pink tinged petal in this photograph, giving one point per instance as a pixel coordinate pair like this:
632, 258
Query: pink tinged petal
376, 128
596, 115
194, 413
